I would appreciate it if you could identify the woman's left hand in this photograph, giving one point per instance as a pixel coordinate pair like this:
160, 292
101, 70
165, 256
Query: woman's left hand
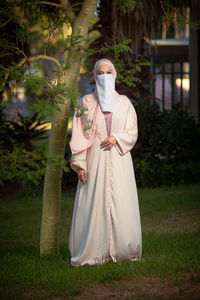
108, 143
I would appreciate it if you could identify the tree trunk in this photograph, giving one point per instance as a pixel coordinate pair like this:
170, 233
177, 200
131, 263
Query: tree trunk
49, 240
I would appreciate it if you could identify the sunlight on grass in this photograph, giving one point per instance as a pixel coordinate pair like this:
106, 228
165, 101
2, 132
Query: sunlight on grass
171, 245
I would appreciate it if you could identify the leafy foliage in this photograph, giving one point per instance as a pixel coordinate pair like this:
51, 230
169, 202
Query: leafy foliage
128, 5
171, 14
21, 132
17, 161
21, 166
48, 94
127, 72
27, 168
168, 149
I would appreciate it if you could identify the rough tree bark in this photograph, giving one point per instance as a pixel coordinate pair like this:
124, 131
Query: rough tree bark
49, 240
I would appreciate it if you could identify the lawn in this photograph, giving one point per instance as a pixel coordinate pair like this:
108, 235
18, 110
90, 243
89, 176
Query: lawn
170, 266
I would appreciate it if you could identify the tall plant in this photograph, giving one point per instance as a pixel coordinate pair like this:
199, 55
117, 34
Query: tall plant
49, 242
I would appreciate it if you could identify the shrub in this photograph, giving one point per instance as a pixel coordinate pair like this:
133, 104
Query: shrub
20, 132
167, 151
19, 162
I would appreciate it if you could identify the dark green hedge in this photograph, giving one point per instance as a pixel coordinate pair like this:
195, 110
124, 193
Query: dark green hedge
168, 147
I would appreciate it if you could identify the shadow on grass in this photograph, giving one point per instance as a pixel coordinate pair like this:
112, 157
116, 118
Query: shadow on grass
29, 250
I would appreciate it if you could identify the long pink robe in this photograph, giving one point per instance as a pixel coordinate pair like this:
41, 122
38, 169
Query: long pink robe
106, 218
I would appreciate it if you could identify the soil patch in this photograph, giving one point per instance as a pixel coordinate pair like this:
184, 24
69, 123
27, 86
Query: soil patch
186, 221
145, 288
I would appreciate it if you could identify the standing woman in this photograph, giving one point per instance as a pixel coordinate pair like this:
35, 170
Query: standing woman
106, 219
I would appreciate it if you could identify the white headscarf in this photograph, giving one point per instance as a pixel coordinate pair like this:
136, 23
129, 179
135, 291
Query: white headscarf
104, 61
105, 85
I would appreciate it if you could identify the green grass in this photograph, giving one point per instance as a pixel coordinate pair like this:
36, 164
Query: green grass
171, 245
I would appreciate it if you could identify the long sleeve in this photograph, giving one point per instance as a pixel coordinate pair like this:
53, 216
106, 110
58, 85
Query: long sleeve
79, 160
128, 137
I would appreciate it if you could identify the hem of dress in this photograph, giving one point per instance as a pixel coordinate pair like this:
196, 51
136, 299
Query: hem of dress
106, 261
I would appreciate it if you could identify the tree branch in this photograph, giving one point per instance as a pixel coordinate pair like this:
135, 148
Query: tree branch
38, 57
87, 11
163, 8
34, 58
48, 41
64, 4
76, 4
44, 57
6, 22
49, 3
68, 9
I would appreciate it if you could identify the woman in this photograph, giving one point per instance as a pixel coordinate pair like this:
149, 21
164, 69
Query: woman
106, 219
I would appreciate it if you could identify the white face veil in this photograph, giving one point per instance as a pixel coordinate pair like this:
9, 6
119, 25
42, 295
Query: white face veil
105, 85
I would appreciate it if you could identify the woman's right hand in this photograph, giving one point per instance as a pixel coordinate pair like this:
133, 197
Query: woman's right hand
82, 176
